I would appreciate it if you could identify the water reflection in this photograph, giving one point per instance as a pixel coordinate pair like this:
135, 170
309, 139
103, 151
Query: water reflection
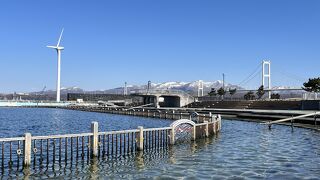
94, 168
200, 159
139, 160
126, 166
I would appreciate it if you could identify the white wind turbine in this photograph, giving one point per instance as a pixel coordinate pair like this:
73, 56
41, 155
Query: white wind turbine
58, 48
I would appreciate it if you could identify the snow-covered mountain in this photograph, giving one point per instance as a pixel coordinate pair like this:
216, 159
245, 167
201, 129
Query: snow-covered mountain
189, 87
192, 86
64, 90
284, 87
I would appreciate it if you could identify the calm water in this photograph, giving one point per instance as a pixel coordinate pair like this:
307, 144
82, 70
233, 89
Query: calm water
16, 121
243, 150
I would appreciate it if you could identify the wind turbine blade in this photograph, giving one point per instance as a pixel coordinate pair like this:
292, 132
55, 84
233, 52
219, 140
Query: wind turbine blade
60, 37
54, 47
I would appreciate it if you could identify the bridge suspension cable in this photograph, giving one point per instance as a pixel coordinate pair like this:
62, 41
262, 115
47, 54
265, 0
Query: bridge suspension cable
287, 79
291, 76
252, 75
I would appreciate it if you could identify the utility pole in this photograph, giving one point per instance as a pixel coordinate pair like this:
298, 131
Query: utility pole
223, 80
223, 83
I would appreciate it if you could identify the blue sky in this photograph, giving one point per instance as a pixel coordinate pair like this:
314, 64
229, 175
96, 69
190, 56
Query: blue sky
110, 42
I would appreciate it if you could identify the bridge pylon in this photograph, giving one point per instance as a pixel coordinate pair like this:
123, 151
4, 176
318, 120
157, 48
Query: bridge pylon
200, 88
266, 76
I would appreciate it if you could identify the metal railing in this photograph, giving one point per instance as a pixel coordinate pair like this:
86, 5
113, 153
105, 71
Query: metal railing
44, 151
314, 114
145, 112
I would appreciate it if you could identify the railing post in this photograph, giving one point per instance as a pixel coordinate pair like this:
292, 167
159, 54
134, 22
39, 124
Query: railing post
194, 133
94, 140
292, 123
210, 116
215, 125
172, 133
207, 128
27, 149
220, 122
172, 114
140, 138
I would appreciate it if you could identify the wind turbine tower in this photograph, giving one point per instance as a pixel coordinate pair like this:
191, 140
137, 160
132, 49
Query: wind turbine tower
58, 49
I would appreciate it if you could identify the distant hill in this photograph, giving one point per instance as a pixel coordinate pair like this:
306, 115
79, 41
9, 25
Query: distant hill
189, 87
63, 91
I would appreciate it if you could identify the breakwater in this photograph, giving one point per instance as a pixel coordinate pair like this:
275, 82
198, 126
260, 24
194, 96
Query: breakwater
205, 114
173, 114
